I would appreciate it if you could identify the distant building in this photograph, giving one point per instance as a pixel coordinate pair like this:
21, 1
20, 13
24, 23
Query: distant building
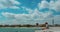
53, 22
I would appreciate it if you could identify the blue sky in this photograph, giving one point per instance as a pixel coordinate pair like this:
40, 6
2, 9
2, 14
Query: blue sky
29, 11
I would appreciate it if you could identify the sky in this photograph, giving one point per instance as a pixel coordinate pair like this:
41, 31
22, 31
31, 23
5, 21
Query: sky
15, 12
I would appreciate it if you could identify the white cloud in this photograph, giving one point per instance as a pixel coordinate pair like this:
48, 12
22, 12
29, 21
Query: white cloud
14, 7
30, 11
57, 18
35, 16
55, 5
2, 6
14, 2
9, 4
43, 4
52, 3
8, 15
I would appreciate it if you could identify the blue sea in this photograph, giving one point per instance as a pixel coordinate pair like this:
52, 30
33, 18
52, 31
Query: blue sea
19, 29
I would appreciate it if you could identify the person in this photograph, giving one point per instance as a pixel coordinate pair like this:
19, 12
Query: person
46, 23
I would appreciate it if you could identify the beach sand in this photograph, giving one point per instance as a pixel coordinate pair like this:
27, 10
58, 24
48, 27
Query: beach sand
51, 29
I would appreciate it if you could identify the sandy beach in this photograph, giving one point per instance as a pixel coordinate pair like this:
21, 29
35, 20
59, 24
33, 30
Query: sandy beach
51, 29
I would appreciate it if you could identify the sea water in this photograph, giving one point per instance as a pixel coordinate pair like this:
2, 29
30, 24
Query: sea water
18, 29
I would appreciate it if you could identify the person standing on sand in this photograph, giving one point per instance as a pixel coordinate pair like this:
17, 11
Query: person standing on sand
46, 26
46, 23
